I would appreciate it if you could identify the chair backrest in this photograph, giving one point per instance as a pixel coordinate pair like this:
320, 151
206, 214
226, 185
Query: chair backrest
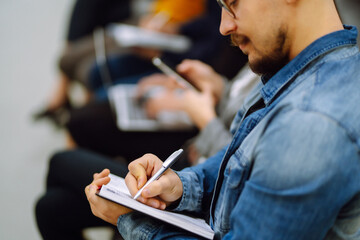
349, 11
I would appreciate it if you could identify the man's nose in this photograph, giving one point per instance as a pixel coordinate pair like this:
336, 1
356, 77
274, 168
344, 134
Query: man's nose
227, 24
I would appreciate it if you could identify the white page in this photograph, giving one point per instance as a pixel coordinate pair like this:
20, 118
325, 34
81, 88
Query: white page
117, 191
132, 36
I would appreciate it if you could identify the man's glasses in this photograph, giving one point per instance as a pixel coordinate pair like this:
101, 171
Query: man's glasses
224, 5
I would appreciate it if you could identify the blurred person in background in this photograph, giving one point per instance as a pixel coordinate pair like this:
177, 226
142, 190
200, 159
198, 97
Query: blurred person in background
77, 55
195, 19
94, 127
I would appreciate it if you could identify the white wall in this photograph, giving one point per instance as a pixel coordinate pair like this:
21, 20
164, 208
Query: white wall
31, 36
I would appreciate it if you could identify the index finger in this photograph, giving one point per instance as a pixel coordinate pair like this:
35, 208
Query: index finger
184, 66
140, 170
105, 172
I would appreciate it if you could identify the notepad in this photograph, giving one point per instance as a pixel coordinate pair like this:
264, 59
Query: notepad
117, 192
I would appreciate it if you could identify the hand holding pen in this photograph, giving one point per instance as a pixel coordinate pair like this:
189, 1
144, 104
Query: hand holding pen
164, 186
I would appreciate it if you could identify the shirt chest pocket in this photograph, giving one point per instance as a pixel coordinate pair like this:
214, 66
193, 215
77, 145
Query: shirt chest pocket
236, 173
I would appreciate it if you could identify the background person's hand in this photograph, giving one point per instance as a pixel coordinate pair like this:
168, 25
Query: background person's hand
102, 208
202, 76
157, 23
159, 92
200, 107
160, 193
166, 100
154, 80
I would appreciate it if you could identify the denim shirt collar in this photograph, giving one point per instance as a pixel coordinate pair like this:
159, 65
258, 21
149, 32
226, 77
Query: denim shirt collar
273, 84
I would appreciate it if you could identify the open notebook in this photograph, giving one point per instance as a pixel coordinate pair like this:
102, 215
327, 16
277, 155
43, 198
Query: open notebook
117, 192
130, 115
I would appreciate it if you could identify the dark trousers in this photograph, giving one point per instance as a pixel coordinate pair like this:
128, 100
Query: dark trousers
63, 211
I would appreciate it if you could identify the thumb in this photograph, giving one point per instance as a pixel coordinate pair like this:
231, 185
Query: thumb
92, 189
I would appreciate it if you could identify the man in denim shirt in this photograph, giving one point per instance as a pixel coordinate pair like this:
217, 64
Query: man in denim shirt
292, 170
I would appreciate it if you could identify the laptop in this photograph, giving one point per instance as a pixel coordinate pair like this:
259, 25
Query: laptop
131, 116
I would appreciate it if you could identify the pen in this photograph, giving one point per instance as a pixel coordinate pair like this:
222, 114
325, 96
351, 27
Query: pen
167, 164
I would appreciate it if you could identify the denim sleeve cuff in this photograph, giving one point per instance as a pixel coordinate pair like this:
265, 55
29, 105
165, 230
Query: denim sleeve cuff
192, 192
136, 225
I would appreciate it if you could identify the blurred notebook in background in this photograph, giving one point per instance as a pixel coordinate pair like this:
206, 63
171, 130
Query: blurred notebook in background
131, 36
131, 116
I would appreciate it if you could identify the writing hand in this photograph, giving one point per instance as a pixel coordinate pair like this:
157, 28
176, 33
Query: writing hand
160, 193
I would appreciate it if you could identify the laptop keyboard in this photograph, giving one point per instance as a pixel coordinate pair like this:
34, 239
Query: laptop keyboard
136, 112
131, 115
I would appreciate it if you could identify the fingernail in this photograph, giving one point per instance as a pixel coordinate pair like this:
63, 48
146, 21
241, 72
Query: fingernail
154, 204
146, 192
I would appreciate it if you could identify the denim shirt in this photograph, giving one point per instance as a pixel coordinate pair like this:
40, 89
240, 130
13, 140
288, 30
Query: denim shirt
292, 170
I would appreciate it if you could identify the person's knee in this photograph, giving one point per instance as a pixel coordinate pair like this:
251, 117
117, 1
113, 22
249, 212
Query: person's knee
65, 66
41, 208
43, 213
60, 162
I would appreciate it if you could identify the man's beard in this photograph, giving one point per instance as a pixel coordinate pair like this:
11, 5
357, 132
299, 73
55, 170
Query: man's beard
269, 63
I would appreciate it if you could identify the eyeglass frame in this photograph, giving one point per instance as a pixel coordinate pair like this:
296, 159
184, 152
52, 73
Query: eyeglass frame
224, 5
